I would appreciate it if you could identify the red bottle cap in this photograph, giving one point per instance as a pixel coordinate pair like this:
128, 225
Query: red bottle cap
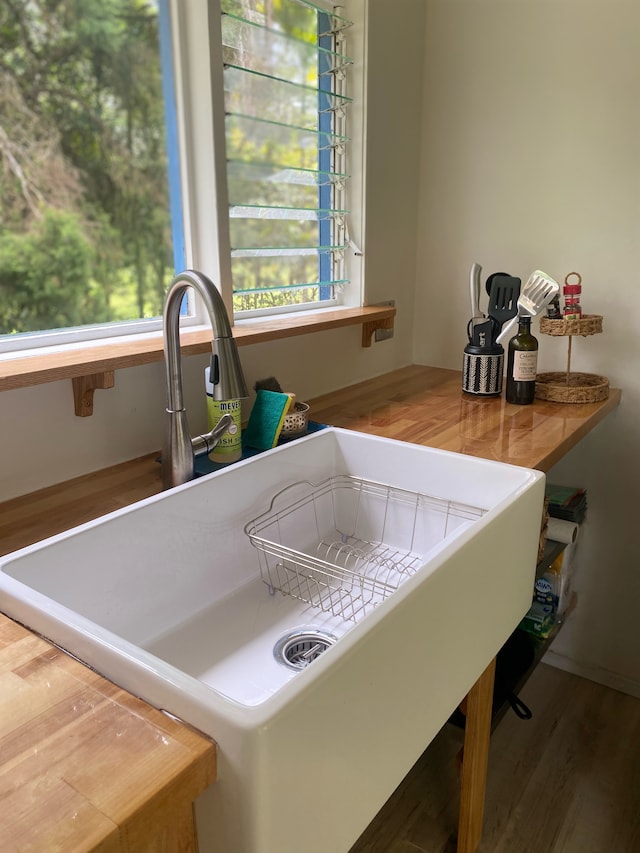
572, 289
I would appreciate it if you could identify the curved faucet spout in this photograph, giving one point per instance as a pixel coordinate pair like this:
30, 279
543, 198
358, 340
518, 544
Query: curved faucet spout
178, 450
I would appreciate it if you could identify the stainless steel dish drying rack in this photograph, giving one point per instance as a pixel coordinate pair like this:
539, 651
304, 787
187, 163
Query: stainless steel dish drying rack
345, 544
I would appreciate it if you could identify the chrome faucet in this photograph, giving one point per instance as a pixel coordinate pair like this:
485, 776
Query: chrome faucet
179, 449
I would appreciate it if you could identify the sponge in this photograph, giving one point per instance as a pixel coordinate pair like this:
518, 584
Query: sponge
266, 419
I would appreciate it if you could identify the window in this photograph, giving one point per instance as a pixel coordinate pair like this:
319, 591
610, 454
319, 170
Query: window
285, 71
85, 228
138, 137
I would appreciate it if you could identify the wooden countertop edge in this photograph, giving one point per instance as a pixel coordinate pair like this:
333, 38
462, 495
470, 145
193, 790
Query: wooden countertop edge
608, 406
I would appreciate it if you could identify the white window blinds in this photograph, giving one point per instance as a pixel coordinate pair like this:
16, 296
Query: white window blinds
285, 76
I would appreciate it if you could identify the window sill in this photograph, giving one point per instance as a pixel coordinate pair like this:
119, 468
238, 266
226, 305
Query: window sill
97, 360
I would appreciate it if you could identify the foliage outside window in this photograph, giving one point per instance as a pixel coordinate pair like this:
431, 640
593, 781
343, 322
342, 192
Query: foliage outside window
85, 231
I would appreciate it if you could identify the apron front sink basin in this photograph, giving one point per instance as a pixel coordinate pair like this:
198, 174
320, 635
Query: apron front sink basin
319, 610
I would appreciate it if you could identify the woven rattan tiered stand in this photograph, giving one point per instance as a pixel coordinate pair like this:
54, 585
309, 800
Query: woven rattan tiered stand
568, 387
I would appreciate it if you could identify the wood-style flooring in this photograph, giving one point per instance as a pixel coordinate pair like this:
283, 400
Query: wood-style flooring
567, 781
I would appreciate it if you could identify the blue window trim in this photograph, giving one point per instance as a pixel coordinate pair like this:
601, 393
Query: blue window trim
325, 126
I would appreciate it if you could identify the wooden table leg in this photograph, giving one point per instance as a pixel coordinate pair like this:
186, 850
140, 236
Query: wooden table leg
475, 760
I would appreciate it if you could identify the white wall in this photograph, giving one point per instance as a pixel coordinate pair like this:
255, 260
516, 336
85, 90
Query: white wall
43, 442
531, 160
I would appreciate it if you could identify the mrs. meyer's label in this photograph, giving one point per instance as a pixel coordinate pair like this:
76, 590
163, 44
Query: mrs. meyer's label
231, 440
525, 365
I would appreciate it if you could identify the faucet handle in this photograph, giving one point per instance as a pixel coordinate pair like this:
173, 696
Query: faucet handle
204, 444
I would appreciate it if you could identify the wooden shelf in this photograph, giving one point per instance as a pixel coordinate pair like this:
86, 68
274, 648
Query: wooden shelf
92, 366
69, 362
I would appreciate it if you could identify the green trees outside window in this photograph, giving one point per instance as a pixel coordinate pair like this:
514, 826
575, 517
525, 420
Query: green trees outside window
85, 231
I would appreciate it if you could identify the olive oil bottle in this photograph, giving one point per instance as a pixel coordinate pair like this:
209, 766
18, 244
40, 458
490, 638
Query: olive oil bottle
522, 365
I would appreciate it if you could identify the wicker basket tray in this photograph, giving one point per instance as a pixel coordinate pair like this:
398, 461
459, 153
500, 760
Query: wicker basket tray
588, 324
572, 387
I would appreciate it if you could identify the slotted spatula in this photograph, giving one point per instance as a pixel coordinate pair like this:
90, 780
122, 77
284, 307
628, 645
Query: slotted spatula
535, 296
504, 291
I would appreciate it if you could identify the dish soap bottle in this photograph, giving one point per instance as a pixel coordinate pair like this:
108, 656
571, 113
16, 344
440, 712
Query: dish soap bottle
229, 447
522, 365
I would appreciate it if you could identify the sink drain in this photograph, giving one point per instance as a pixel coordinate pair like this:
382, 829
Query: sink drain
299, 648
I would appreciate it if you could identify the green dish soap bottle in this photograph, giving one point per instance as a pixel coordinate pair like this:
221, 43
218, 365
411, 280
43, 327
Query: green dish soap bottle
522, 365
229, 448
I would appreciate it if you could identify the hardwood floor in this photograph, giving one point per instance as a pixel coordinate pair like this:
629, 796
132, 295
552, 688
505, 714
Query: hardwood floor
567, 781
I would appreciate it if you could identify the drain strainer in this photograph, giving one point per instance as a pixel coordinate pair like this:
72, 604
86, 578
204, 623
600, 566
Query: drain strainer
299, 648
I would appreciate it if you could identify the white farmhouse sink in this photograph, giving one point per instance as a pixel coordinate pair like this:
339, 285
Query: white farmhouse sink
166, 599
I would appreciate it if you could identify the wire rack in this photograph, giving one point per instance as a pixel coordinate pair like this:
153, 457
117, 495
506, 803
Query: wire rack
346, 544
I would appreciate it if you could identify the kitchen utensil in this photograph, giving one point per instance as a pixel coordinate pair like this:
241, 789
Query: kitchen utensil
503, 297
474, 294
538, 291
474, 289
482, 332
490, 279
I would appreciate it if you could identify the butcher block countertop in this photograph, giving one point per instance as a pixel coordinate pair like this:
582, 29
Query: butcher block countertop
425, 405
85, 766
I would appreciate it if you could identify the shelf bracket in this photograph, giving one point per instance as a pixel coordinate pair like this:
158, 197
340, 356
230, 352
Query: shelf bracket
382, 329
83, 388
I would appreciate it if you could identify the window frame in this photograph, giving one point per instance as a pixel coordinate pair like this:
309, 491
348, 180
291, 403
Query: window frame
210, 209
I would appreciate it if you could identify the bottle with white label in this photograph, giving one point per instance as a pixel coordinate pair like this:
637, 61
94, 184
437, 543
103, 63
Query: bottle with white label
229, 447
522, 365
